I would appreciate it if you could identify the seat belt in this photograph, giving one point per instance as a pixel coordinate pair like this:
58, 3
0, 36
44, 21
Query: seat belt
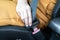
34, 7
38, 35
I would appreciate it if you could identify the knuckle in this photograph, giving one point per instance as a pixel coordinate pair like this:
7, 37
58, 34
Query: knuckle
22, 18
26, 18
28, 6
16, 8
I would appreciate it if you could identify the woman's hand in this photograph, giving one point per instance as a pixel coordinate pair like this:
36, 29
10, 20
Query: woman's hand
24, 11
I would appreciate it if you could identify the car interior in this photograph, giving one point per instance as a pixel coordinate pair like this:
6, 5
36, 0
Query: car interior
51, 32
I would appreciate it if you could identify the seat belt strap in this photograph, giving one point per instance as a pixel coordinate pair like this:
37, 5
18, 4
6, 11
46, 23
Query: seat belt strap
34, 7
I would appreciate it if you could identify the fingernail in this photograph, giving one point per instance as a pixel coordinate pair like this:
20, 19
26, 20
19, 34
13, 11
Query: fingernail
30, 24
27, 25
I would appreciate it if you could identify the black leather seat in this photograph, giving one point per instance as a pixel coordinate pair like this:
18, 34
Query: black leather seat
55, 25
55, 22
14, 33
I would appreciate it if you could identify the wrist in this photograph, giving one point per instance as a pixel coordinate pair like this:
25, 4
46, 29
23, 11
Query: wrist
22, 1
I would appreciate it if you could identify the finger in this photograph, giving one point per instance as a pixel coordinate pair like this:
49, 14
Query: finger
26, 18
21, 15
30, 16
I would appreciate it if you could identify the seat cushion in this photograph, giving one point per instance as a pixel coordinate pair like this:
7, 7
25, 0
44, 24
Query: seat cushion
14, 33
55, 25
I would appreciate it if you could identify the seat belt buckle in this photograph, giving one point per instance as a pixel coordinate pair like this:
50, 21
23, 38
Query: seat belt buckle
34, 28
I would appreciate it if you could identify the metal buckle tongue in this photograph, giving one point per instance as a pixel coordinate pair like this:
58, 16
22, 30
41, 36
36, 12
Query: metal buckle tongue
34, 25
